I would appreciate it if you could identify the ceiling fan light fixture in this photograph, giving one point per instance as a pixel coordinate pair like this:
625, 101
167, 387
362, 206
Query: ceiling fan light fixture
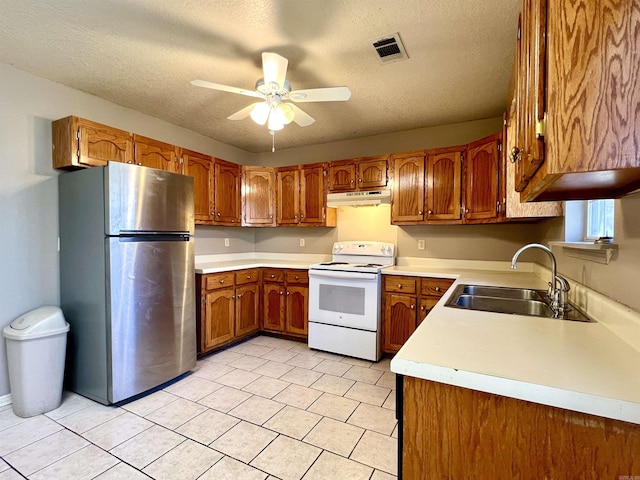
274, 122
260, 113
285, 113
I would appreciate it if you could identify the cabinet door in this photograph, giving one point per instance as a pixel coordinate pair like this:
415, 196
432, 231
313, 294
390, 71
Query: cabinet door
98, 144
200, 167
372, 173
297, 311
426, 304
258, 196
227, 192
444, 179
342, 176
399, 320
407, 205
220, 313
481, 195
155, 154
288, 210
247, 309
273, 307
312, 194
531, 85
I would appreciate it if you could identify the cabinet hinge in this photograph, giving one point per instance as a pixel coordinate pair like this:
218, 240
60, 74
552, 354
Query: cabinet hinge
78, 135
499, 147
541, 127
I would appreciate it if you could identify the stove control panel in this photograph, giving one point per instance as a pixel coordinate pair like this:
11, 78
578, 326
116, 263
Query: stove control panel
382, 249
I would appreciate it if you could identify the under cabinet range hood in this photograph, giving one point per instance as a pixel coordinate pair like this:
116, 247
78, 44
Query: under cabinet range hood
373, 197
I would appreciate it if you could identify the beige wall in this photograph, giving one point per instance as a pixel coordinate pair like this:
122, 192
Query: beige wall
210, 240
429, 137
620, 279
318, 240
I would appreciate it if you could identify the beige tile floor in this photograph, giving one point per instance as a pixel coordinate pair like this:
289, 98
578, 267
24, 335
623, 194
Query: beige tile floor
267, 408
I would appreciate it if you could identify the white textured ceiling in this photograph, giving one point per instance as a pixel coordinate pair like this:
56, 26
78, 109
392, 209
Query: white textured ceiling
143, 53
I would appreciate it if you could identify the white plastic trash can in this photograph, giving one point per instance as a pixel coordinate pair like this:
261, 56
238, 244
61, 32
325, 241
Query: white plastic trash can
36, 347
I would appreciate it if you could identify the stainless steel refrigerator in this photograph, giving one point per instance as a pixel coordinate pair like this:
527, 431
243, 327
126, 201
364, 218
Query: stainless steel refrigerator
126, 279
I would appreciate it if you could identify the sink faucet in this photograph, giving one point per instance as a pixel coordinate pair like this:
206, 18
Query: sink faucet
557, 294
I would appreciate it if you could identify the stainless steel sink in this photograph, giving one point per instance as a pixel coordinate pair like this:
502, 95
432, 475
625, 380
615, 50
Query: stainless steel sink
505, 305
517, 301
503, 292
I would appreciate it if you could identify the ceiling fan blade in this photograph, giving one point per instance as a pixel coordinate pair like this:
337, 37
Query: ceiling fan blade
301, 117
274, 68
240, 114
226, 88
330, 94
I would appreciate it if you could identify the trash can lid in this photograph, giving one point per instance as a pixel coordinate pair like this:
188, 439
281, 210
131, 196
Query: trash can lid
41, 322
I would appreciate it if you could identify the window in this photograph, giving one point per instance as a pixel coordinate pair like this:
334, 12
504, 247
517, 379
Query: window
599, 221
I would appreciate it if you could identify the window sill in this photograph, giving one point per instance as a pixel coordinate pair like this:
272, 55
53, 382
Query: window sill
594, 252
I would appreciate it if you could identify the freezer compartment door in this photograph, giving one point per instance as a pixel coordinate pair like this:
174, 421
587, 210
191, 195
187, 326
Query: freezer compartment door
142, 199
152, 310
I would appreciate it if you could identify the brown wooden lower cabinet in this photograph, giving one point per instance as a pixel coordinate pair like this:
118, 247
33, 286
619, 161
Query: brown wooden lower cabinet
451, 432
229, 307
285, 301
406, 301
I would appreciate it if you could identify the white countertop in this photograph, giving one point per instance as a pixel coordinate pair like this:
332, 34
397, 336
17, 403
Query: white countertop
585, 367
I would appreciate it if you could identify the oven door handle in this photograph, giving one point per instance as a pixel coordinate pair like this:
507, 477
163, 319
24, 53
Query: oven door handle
345, 275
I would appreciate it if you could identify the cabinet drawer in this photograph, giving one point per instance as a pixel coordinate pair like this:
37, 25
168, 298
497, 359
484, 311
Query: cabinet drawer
393, 283
297, 276
273, 275
247, 276
435, 286
218, 280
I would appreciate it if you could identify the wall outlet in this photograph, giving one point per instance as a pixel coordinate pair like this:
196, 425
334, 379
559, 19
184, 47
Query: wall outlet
302, 242
226, 242
421, 245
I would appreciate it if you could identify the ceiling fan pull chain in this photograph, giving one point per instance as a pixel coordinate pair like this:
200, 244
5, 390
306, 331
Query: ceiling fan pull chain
273, 140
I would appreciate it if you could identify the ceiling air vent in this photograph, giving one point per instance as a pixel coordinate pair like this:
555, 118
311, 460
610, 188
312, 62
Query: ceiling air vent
390, 49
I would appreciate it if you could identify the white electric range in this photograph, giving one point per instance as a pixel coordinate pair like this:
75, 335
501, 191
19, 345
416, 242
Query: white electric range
344, 299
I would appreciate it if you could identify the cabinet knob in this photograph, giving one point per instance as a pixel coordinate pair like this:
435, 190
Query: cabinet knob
429, 212
129, 162
351, 181
516, 155
360, 180
281, 292
140, 163
239, 295
233, 296
422, 308
270, 216
466, 210
437, 289
295, 216
248, 277
288, 293
273, 276
399, 285
419, 212
297, 277
218, 213
221, 281
412, 307
301, 216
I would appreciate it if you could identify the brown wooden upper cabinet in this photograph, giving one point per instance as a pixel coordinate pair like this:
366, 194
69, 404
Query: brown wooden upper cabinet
407, 193
258, 196
301, 196
79, 143
444, 173
200, 167
366, 173
156, 154
226, 195
577, 69
482, 200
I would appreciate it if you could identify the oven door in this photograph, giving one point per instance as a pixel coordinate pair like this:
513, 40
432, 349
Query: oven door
346, 299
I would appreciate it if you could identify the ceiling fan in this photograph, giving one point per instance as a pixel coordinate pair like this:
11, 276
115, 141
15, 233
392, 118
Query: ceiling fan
274, 90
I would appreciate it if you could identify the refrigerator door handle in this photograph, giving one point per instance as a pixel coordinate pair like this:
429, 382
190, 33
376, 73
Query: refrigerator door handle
154, 238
